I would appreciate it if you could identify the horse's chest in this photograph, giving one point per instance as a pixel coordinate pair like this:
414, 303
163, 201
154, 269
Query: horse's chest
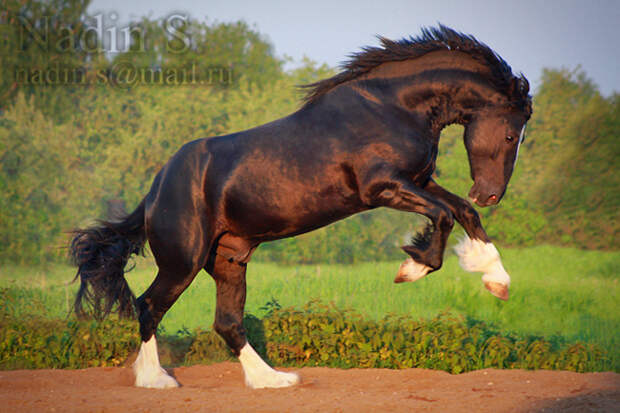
424, 170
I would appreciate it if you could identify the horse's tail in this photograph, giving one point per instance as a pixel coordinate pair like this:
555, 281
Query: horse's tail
101, 254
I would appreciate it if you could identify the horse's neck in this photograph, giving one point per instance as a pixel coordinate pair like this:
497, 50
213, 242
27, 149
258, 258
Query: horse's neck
443, 88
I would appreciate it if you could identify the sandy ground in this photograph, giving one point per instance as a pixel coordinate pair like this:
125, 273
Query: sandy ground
220, 388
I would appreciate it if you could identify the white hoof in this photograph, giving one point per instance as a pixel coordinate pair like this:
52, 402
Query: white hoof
411, 271
160, 380
259, 375
497, 289
271, 380
148, 372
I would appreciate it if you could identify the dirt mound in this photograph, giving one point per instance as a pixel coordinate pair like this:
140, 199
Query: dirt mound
220, 388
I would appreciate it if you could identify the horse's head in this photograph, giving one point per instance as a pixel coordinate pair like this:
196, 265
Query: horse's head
492, 140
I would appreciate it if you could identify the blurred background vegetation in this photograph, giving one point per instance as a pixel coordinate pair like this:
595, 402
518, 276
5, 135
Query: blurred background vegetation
68, 148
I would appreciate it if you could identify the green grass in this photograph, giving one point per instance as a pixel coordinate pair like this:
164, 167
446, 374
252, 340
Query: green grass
555, 291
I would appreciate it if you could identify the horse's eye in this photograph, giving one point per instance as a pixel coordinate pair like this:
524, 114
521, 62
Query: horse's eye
509, 138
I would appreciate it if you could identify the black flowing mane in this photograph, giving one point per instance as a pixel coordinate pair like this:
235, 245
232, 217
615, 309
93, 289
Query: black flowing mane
432, 39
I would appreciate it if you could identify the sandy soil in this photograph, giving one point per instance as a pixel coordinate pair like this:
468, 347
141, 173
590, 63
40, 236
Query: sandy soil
220, 388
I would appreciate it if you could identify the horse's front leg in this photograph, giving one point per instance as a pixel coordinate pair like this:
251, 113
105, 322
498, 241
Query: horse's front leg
476, 252
427, 252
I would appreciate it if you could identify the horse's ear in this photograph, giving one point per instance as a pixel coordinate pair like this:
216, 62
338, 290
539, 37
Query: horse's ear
525, 84
519, 91
519, 87
513, 89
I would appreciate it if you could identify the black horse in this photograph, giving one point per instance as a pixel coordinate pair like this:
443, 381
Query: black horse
363, 139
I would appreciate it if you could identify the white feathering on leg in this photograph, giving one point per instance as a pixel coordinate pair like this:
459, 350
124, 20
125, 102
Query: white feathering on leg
259, 375
147, 369
479, 256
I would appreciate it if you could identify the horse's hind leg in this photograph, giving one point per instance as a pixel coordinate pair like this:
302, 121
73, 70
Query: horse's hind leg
152, 306
178, 262
231, 289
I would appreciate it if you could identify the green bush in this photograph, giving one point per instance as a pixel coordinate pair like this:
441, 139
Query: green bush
316, 335
208, 347
35, 343
320, 335
31, 341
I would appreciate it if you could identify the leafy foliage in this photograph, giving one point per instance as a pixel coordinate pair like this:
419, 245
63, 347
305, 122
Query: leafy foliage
31, 341
40, 35
35, 182
573, 162
40, 343
321, 335
316, 335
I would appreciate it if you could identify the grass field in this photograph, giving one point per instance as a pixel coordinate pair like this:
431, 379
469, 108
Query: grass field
555, 291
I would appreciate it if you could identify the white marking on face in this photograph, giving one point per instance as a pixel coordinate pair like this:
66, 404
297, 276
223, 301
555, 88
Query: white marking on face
479, 256
147, 369
521, 138
259, 375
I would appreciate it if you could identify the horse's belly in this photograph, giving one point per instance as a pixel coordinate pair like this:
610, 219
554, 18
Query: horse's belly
282, 212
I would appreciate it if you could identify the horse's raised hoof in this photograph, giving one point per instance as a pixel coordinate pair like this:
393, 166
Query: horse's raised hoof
411, 271
497, 289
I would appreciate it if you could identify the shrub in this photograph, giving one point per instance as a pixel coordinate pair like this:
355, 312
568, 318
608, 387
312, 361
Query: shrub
35, 342
316, 335
320, 335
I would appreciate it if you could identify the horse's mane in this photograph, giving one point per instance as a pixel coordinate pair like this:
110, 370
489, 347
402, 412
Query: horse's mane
432, 39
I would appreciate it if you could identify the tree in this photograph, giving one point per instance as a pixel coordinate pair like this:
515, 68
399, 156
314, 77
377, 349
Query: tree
45, 50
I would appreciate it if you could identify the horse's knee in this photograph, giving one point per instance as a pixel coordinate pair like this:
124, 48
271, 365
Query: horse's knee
469, 218
231, 330
230, 299
153, 304
430, 256
434, 258
445, 221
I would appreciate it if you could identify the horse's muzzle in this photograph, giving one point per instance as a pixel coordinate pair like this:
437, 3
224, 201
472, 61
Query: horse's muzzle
484, 198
